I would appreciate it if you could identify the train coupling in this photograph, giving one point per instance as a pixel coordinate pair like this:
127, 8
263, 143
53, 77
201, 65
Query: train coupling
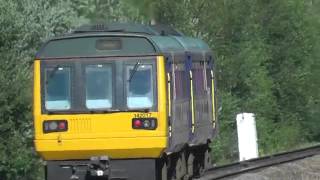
98, 166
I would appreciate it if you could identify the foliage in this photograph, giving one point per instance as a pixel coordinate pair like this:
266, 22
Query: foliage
267, 58
104, 11
23, 26
267, 62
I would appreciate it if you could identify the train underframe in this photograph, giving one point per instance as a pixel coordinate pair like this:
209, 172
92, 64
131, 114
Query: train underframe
185, 164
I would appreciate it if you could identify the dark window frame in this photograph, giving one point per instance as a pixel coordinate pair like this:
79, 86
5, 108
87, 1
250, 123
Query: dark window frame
78, 80
56, 69
52, 65
199, 84
84, 77
180, 71
153, 63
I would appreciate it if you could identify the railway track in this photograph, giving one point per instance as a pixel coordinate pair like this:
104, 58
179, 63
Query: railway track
238, 168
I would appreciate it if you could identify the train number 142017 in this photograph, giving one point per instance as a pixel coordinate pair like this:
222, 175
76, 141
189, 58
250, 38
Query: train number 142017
142, 115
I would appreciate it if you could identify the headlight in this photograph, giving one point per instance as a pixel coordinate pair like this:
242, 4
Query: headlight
55, 126
144, 123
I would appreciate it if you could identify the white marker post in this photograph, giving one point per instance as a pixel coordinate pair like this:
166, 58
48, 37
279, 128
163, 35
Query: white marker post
247, 136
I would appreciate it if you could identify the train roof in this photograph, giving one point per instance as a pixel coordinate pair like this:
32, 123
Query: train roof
160, 39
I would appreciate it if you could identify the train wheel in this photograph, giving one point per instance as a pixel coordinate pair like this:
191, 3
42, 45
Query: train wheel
184, 166
180, 169
190, 166
207, 160
163, 173
202, 161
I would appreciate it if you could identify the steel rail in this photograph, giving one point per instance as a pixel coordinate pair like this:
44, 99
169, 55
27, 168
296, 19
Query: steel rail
237, 168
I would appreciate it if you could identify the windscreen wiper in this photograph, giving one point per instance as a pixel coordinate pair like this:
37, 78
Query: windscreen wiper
135, 68
53, 72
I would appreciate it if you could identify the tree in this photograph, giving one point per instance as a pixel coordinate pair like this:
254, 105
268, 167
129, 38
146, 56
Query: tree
105, 11
267, 58
267, 62
24, 25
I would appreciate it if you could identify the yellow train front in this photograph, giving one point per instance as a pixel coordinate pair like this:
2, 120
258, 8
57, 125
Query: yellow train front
124, 101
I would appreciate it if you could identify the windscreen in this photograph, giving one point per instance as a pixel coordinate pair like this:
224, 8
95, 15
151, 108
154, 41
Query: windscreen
57, 88
140, 86
98, 86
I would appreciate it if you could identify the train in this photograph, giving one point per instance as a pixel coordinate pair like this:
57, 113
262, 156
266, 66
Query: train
124, 101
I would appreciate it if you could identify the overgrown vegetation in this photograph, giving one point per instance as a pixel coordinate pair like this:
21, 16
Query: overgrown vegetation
267, 59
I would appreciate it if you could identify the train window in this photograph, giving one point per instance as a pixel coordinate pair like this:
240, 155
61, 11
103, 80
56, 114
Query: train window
98, 86
180, 81
140, 86
57, 88
199, 79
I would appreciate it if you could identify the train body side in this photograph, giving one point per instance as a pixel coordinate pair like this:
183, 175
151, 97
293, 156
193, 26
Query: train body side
192, 116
